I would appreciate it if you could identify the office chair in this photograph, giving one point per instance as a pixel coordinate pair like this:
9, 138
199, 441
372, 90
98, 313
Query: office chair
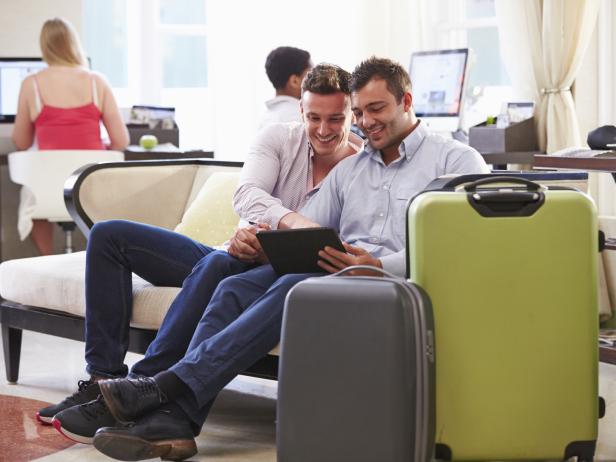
42, 175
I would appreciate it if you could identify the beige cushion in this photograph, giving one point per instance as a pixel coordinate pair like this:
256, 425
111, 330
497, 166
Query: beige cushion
157, 195
210, 219
57, 282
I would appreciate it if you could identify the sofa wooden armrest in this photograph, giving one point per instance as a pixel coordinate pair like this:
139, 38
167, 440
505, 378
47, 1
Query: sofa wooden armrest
34, 290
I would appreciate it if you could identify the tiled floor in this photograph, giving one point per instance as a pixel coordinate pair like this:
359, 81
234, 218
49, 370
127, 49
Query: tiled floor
240, 428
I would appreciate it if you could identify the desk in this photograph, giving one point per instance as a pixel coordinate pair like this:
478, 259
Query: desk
138, 153
498, 159
607, 354
594, 164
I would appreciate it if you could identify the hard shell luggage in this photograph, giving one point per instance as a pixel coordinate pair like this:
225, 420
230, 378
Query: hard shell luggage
512, 275
356, 376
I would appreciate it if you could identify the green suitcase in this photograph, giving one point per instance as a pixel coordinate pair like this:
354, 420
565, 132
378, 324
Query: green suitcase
512, 274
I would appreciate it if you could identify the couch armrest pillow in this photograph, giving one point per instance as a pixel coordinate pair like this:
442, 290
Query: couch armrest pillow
210, 219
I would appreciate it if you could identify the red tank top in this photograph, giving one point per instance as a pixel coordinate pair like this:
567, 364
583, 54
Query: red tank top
68, 128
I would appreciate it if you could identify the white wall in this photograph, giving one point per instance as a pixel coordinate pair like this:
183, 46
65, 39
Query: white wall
341, 31
595, 93
585, 91
21, 22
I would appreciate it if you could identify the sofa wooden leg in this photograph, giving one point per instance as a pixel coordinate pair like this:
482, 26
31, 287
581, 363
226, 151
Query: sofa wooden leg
11, 343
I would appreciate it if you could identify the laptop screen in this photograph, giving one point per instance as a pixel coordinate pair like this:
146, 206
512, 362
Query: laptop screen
12, 73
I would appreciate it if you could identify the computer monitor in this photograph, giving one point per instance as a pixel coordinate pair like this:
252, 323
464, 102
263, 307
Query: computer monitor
12, 72
437, 79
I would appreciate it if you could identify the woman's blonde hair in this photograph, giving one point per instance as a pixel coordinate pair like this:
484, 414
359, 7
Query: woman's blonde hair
60, 44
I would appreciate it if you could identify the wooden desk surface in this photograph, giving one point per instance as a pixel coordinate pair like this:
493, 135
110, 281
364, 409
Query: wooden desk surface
597, 164
502, 158
607, 354
130, 154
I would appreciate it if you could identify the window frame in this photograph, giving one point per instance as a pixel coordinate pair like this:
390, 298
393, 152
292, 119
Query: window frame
451, 25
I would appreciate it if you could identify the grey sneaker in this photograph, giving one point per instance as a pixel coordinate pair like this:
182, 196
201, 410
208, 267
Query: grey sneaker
79, 423
86, 391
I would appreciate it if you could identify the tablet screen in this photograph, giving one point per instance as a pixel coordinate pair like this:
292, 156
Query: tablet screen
297, 250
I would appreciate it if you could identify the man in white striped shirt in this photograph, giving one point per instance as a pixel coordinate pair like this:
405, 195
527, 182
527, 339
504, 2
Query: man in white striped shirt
364, 198
287, 162
285, 166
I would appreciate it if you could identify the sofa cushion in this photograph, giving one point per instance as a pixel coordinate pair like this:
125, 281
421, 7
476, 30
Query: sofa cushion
57, 282
210, 218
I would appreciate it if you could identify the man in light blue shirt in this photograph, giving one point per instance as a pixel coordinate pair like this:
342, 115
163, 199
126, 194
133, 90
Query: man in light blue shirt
364, 198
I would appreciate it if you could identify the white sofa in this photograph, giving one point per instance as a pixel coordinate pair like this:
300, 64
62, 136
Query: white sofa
46, 294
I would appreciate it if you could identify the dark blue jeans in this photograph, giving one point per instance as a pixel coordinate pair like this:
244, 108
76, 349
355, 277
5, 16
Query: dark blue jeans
240, 325
118, 248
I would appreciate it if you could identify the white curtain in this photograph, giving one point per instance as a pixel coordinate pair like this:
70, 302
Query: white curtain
418, 24
542, 43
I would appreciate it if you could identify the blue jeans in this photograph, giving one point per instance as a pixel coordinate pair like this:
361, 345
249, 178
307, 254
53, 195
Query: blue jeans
118, 248
240, 325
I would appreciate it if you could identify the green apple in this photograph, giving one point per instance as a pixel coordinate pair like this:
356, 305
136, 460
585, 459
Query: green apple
148, 141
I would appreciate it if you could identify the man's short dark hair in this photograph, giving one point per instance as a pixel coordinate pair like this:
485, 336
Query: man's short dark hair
283, 62
396, 77
325, 79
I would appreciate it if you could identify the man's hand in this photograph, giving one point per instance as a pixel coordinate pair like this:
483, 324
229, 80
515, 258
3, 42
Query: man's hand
245, 246
333, 260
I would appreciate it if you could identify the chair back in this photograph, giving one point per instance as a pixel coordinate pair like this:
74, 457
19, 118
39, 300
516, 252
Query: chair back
43, 173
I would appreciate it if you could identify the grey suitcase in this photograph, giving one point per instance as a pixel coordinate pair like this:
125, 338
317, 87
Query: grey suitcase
356, 378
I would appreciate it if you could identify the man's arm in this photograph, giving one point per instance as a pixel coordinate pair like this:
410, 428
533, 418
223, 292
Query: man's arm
333, 260
253, 200
465, 161
296, 220
325, 207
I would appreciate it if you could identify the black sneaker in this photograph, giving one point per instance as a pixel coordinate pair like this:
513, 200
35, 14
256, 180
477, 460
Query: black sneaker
79, 423
130, 398
166, 433
86, 391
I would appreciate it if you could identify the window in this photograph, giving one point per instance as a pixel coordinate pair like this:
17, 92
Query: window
472, 24
155, 52
107, 19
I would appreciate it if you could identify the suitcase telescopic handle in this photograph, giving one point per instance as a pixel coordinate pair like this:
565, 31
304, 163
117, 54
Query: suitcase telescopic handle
375, 269
530, 185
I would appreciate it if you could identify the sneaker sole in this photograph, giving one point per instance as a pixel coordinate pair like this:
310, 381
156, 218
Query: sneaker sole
123, 447
43, 420
70, 435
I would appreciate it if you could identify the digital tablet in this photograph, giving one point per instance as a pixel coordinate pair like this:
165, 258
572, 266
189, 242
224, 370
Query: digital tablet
297, 250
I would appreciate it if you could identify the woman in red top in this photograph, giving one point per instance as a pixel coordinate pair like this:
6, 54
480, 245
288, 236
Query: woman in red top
63, 105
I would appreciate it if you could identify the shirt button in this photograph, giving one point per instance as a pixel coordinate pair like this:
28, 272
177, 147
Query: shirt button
385, 187
373, 240
381, 214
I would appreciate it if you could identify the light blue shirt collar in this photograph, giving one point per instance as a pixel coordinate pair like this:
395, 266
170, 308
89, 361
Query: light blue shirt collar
409, 146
